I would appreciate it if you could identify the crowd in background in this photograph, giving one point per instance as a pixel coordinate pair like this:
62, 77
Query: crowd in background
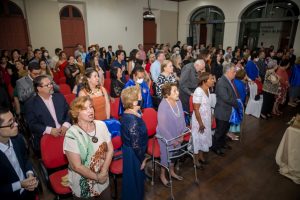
206, 88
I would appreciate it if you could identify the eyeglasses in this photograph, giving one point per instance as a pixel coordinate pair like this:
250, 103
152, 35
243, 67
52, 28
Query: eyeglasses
48, 85
11, 125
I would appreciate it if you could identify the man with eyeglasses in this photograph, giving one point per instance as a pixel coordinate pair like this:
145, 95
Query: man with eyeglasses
17, 180
46, 112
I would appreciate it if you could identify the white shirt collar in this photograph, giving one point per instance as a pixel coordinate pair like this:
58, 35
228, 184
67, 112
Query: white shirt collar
5, 147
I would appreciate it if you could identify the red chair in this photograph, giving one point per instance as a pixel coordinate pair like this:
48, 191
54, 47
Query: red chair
151, 88
10, 91
116, 165
114, 108
69, 98
54, 163
150, 118
62, 80
107, 74
127, 77
64, 89
107, 83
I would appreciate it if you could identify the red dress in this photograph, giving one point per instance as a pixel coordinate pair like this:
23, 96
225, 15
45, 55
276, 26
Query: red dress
61, 67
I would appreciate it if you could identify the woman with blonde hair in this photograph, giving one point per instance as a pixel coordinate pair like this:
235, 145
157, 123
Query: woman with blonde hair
92, 87
135, 138
89, 150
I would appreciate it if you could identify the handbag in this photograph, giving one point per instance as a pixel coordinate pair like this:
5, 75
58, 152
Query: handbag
213, 123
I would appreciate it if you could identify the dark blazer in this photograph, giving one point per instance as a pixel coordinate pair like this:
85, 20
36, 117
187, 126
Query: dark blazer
38, 116
109, 57
226, 99
7, 173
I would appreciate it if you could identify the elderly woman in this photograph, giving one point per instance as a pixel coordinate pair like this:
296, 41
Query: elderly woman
270, 89
92, 88
171, 124
166, 76
89, 150
201, 118
135, 138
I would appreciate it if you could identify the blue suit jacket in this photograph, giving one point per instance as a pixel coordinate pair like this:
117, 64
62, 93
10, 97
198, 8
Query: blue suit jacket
7, 173
38, 116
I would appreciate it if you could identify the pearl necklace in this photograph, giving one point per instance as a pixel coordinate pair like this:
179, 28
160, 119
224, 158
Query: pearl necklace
176, 114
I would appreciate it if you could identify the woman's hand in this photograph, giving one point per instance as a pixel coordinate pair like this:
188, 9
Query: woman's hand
102, 177
201, 127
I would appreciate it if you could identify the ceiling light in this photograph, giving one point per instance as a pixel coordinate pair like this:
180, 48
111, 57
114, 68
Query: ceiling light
289, 4
276, 7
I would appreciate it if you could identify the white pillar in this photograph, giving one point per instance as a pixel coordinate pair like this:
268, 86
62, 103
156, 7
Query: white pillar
231, 33
297, 40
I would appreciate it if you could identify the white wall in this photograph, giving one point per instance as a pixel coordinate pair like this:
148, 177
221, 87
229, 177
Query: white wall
43, 24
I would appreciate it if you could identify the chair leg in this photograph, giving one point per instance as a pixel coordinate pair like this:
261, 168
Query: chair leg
115, 195
153, 171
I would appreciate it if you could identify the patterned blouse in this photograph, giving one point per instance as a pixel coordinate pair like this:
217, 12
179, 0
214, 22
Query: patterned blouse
161, 80
92, 156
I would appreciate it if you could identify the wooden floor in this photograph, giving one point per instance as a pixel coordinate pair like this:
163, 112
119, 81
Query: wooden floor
247, 172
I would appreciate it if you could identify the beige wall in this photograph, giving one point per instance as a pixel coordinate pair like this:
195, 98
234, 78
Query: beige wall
168, 27
43, 24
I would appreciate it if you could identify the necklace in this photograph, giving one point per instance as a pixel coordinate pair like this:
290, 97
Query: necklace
176, 114
94, 92
94, 138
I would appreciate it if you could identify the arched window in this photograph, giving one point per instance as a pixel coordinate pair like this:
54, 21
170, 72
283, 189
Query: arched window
266, 23
207, 26
70, 12
14, 32
72, 28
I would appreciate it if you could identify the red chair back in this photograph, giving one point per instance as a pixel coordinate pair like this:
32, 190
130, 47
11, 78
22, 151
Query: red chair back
62, 80
114, 108
10, 91
127, 77
107, 83
191, 104
65, 89
69, 98
150, 118
52, 151
107, 74
151, 88
117, 142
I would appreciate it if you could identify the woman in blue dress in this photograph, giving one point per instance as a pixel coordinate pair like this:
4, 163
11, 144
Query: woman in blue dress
135, 138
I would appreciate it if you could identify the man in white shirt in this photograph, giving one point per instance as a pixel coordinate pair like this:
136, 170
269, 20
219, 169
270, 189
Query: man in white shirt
17, 180
155, 67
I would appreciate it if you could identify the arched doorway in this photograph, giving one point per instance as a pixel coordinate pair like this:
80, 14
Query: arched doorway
72, 28
269, 23
207, 26
13, 34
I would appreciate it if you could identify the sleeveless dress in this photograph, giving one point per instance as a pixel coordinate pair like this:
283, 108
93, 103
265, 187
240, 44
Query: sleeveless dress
99, 104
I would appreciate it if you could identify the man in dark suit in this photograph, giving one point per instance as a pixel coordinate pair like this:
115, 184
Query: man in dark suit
16, 174
46, 112
226, 99
110, 55
189, 81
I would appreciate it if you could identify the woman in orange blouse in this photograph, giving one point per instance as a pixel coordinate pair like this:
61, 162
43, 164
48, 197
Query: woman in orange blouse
92, 88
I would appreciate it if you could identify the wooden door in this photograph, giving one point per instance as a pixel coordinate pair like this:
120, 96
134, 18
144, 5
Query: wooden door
14, 34
203, 34
72, 29
149, 34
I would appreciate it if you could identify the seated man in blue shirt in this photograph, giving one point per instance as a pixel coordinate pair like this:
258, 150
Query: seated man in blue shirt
16, 174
